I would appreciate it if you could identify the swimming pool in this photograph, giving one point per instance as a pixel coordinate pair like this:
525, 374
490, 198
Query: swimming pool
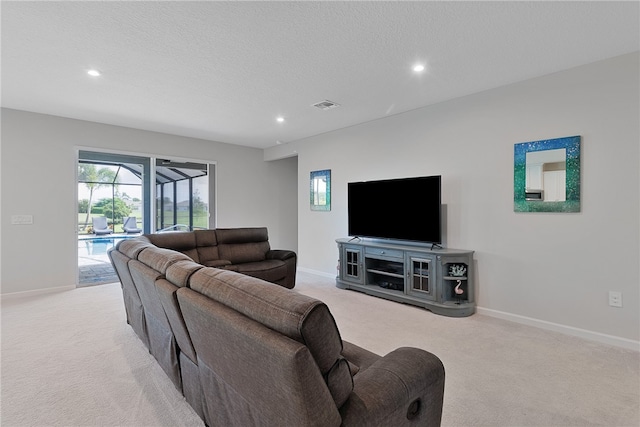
88, 246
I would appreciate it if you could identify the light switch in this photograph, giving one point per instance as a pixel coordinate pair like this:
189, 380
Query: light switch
21, 219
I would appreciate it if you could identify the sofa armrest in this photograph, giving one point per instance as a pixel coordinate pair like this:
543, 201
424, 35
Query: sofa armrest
281, 254
290, 260
403, 388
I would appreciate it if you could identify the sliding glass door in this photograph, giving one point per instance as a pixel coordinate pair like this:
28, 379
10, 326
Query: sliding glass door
182, 195
114, 202
114, 189
114, 186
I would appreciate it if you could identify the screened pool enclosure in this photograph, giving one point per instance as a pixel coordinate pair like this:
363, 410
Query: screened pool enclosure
117, 187
115, 190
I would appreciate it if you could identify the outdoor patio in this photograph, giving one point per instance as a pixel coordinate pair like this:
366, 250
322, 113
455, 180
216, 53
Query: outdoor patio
94, 267
96, 274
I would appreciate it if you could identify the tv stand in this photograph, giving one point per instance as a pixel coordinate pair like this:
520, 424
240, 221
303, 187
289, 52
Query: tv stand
440, 280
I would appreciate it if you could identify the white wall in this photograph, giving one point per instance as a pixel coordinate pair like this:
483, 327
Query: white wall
555, 268
38, 178
548, 267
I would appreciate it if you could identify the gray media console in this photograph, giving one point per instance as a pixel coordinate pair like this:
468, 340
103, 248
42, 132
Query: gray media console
440, 280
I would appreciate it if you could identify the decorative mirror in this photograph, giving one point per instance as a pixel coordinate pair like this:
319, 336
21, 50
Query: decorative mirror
320, 193
546, 175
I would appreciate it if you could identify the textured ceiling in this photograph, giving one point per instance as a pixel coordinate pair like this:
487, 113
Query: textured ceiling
224, 71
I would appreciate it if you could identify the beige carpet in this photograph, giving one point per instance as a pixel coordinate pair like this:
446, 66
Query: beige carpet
70, 359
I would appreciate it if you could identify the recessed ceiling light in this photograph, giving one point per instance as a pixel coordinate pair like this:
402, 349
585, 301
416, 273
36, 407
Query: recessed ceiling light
418, 68
280, 119
94, 73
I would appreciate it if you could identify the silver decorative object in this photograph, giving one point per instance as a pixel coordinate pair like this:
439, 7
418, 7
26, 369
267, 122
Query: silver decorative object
457, 270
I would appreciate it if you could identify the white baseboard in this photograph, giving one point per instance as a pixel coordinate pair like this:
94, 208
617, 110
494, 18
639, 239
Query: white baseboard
568, 330
14, 295
317, 273
542, 324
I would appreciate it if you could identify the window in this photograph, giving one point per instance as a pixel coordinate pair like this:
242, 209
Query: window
181, 195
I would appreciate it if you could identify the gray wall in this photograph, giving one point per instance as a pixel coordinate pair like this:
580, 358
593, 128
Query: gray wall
550, 269
38, 178
553, 270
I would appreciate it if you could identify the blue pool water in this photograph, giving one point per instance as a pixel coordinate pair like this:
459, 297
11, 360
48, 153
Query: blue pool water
98, 245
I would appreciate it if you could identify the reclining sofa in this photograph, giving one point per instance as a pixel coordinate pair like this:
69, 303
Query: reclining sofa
248, 352
245, 250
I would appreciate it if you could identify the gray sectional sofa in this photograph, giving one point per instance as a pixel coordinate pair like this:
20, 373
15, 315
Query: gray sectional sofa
245, 250
248, 352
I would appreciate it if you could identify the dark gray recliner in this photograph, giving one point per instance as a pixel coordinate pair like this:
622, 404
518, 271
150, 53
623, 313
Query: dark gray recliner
268, 356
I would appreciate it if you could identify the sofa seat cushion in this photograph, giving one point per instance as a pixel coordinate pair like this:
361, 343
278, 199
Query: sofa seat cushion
358, 357
270, 270
217, 263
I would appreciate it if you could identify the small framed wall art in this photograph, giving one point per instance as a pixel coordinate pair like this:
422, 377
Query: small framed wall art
320, 190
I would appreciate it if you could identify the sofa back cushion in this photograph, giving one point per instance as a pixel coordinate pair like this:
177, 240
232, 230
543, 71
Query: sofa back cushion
207, 246
180, 272
240, 245
181, 241
167, 294
160, 259
132, 302
132, 247
252, 375
177, 276
294, 315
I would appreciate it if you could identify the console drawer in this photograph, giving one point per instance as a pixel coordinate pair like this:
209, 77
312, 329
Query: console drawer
384, 252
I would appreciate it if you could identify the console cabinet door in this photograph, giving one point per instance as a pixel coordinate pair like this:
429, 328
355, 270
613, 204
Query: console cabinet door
351, 265
421, 275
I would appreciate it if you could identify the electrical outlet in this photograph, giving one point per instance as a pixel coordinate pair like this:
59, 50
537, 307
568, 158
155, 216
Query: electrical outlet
615, 299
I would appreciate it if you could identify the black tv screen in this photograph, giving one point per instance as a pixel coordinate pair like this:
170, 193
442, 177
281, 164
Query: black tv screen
403, 209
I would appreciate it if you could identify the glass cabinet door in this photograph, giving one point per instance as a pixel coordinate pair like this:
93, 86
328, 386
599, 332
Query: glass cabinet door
352, 268
421, 274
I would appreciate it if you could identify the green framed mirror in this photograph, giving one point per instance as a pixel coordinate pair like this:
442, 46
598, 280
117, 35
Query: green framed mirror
320, 190
546, 175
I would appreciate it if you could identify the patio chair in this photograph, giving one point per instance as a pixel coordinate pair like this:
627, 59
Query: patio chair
100, 226
130, 225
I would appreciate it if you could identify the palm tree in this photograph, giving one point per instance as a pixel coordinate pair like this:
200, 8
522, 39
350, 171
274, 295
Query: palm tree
94, 178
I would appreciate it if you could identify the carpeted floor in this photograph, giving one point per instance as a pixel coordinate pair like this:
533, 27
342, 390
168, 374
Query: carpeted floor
70, 359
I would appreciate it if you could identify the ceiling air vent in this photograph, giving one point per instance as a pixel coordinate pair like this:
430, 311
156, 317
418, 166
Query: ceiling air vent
325, 105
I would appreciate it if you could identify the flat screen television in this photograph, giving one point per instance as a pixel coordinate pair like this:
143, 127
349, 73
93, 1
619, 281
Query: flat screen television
402, 209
